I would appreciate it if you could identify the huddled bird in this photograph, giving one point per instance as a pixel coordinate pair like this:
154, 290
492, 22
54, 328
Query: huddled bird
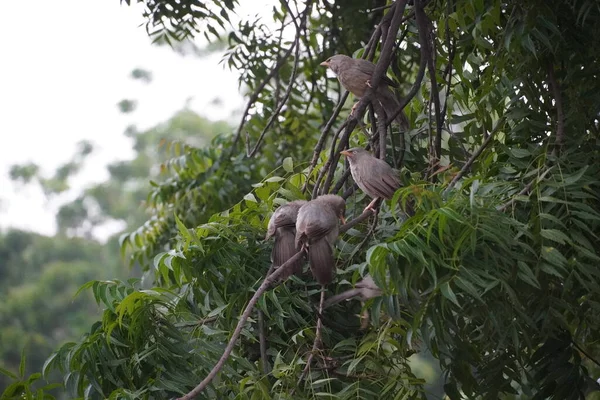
317, 228
282, 225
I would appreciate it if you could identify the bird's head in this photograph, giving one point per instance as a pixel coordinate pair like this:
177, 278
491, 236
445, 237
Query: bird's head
356, 153
335, 62
336, 203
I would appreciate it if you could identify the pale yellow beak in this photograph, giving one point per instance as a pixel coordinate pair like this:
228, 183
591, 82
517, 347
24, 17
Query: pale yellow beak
345, 153
324, 64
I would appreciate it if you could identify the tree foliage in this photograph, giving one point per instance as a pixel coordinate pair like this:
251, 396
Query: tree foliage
495, 271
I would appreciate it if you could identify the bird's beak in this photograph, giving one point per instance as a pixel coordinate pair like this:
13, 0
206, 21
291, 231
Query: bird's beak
346, 153
324, 64
343, 219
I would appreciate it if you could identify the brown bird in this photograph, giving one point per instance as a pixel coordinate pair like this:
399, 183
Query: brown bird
317, 229
355, 76
282, 225
373, 176
364, 290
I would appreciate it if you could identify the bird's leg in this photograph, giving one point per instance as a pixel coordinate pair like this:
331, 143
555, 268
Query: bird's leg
353, 108
371, 204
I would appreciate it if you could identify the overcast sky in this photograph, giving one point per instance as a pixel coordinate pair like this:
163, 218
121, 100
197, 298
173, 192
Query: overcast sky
65, 64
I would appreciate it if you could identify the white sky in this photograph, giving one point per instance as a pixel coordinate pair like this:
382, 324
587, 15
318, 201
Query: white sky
64, 65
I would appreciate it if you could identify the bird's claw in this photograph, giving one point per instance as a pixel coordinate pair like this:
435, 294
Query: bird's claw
370, 206
368, 83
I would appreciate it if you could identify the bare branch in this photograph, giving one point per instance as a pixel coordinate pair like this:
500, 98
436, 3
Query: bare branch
424, 25
286, 96
317, 344
560, 114
525, 190
262, 340
269, 280
257, 92
474, 156
324, 134
381, 129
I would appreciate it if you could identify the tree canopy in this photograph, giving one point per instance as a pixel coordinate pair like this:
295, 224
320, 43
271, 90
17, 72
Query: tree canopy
494, 271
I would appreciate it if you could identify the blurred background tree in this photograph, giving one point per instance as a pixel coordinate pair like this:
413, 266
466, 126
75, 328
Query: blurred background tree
40, 275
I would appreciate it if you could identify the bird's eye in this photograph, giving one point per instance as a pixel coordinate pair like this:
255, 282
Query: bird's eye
353, 151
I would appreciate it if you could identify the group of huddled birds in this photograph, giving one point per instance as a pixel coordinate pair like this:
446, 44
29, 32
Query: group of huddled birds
313, 226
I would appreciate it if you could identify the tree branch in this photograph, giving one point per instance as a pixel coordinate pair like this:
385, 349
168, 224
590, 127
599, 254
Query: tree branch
474, 156
257, 92
560, 114
525, 190
272, 278
423, 25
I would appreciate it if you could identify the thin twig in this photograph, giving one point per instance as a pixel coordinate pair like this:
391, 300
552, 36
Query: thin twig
329, 161
418, 81
350, 224
324, 134
262, 340
257, 92
424, 25
525, 190
318, 342
474, 156
560, 114
286, 96
592, 359
381, 129
269, 280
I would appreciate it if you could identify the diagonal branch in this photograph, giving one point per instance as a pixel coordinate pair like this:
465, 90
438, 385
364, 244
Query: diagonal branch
269, 280
286, 96
477, 153
256, 93
525, 190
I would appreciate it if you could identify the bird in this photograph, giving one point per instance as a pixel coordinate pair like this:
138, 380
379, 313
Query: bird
282, 225
355, 76
373, 176
364, 290
317, 228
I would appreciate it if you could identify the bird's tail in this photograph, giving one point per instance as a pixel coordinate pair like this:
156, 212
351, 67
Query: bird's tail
390, 106
320, 256
338, 298
284, 249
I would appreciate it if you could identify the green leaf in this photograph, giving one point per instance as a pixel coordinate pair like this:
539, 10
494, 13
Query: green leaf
288, 164
555, 235
448, 293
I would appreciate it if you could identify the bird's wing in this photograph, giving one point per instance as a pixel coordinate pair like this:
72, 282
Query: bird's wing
368, 68
318, 229
284, 219
382, 185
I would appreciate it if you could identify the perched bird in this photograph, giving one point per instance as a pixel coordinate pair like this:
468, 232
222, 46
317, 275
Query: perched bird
282, 225
364, 290
317, 230
373, 176
355, 76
